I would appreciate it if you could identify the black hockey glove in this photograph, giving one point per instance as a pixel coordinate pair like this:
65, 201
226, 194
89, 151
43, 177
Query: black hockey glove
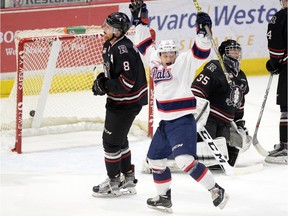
139, 12
270, 68
202, 20
241, 125
98, 87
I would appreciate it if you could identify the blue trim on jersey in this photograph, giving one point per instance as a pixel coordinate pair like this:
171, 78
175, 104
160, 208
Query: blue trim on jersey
177, 105
200, 53
142, 47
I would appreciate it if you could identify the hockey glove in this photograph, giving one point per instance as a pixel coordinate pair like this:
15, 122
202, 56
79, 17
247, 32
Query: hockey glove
98, 87
241, 125
270, 68
139, 12
202, 20
246, 139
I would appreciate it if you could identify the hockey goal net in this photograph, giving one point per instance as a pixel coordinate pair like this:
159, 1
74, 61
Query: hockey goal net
52, 90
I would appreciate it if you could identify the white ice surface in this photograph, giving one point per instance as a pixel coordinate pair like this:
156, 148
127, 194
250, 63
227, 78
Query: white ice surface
58, 182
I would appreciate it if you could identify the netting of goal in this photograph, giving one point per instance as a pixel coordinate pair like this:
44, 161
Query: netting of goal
52, 90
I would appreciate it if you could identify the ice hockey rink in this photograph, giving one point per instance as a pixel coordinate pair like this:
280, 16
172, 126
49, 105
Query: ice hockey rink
58, 181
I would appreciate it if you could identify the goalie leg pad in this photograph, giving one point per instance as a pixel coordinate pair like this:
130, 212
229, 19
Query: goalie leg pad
204, 153
203, 111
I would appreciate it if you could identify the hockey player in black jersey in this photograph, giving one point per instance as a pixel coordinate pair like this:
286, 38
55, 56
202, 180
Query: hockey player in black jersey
124, 82
277, 64
226, 100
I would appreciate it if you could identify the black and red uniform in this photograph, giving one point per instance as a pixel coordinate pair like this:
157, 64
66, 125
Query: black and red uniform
126, 94
226, 100
277, 45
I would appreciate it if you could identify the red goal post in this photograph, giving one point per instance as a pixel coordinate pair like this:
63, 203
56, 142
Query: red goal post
52, 90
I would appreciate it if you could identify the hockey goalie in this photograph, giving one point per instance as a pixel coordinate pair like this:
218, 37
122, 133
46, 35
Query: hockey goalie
239, 139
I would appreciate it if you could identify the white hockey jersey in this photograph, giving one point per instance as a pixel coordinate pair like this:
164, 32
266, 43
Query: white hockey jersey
172, 84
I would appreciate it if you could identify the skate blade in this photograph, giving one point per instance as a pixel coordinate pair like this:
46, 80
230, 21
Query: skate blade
112, 194
161, 208
128, 191
224, 201
277, 160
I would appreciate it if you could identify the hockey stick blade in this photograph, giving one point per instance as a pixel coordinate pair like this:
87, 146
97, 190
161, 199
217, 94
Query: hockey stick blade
258, 146
245, 170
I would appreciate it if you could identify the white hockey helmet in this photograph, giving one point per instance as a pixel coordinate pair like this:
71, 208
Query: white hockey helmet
167, 46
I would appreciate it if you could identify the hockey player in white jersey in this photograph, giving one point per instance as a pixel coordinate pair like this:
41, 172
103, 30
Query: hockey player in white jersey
172, 73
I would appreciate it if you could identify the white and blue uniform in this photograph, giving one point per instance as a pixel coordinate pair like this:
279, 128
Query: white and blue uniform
175, 101
172, 84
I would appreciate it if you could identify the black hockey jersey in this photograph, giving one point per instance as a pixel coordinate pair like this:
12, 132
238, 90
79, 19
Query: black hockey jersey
277, 45
277, 38
127, 84
226, 100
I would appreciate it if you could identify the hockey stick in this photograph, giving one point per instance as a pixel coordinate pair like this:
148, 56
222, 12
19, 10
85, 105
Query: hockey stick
198, 8
255, 141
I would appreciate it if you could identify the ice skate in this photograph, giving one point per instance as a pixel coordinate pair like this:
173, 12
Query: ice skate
278, 155
219, 196
109, 188
161, 202
128, 183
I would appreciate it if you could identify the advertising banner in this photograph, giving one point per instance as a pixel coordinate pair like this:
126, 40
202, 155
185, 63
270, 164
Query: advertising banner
245, 21
17, 20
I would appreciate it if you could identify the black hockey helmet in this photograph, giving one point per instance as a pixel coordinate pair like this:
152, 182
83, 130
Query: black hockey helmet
119, 20
228, 45
231, 59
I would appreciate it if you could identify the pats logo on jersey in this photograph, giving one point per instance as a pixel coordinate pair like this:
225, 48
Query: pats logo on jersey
164, 74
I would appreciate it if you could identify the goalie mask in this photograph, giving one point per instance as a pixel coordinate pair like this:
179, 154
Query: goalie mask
168, 52
119, 21
231, 52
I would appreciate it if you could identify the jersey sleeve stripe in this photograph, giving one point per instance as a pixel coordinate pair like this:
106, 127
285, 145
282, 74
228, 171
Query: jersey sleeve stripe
198, 92
176, 105
200, 53
143, 46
